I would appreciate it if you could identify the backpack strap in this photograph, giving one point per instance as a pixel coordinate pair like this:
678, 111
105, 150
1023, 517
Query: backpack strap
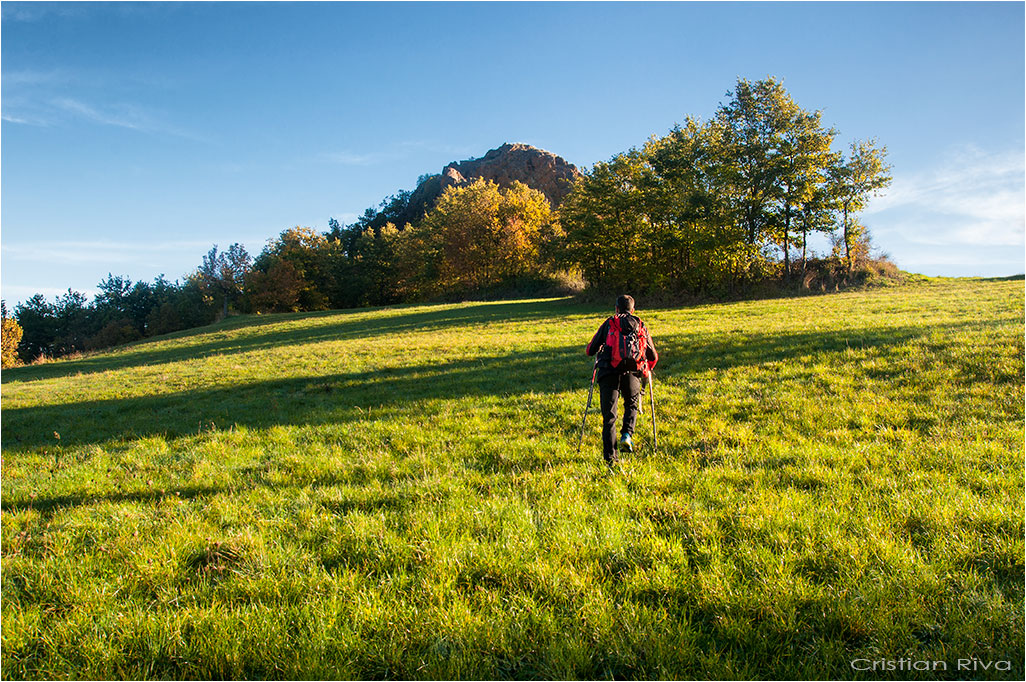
643, 363
613, 339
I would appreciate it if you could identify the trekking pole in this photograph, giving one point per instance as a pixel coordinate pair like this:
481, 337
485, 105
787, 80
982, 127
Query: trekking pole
651, 400
587, 407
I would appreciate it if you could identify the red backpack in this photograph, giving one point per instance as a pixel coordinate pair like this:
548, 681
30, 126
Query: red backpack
628, 347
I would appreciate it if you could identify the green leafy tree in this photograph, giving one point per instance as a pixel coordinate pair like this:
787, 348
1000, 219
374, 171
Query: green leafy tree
223, 274
38, 321
778, 154
73, 323
816, 214
607, 228
803, 161
164, 319
115, 333
120, 301
111, 301
694, 242
852, 183
379, 266
754, 122
710, 205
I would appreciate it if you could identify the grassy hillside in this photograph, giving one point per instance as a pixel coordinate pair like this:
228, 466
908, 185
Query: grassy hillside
396, 493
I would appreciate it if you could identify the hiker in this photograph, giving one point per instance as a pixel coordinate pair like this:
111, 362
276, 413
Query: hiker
618, 339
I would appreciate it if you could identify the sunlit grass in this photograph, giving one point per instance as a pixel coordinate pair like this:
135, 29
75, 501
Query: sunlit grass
396, 493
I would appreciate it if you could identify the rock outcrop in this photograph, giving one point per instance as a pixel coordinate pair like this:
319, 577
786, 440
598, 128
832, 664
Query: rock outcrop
538, 169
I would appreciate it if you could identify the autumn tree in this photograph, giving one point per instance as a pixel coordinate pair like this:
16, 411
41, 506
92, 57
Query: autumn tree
308, 281
481, 235
276, 289
10, 335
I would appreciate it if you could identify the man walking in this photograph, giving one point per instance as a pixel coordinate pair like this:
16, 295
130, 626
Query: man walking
626, 353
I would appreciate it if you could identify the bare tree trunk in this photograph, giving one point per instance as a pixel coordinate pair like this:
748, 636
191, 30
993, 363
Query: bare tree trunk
787, 255
847, 241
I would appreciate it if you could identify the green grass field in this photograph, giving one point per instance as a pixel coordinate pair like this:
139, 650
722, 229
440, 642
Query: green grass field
396, 493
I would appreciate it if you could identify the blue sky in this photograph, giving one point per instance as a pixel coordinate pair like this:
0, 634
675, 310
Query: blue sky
135, 136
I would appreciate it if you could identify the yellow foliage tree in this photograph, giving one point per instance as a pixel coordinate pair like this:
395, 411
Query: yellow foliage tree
11, 336
484, 235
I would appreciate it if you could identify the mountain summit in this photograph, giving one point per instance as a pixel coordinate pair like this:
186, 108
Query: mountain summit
538, 169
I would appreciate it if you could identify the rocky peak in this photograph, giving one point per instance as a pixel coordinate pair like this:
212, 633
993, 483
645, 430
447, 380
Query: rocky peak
538, 169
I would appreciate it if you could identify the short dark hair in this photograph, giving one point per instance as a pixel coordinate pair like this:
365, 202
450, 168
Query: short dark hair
625, 304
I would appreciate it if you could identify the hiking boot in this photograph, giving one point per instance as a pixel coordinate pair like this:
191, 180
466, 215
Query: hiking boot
626, 444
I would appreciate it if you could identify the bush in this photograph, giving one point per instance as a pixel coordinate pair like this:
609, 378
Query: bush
832, 274
541, 285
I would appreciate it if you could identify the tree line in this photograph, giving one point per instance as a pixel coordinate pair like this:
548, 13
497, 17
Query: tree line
725, 203
711, 207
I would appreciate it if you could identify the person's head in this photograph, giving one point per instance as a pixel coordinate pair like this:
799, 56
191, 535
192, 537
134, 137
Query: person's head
625, 304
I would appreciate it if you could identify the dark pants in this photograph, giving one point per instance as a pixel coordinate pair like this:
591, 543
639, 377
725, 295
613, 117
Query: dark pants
610, 388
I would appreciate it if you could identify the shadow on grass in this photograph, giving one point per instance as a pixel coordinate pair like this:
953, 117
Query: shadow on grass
251, 333
402, 392
355, 396
249, 479
50, 505
684, 354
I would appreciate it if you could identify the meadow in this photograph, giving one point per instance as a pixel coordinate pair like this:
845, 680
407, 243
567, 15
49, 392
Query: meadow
396, 493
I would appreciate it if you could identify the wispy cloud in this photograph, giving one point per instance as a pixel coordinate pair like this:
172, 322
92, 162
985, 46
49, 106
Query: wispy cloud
15, 293
122, 116
972, 198
24, 109
347, 158
24, 119
49, 11
59, 97
129, 119
36, 11
29, 77
114, 253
